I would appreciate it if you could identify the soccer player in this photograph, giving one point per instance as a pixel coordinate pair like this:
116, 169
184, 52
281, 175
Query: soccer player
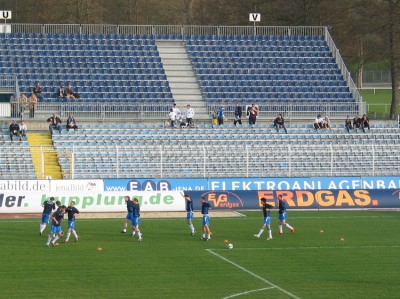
282, 216
189, 215
267, 219
72, 211
205, 206
48, 207
136, 219
129, 216
55, 231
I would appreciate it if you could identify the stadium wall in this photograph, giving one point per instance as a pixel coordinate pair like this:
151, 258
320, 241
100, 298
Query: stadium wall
26, 196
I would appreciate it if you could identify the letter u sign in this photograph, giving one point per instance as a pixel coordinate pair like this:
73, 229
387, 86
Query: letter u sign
5, 14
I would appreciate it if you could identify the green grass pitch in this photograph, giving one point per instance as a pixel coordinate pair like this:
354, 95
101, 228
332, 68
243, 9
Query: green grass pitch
379, 101
333, 254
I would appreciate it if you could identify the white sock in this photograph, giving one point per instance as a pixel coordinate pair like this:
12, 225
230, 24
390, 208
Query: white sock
288, 226
204, 235
42, 227
68, 235
48, 240
191, 227
260, 232
55, 239
270, 233
75, 234
133, 233
280, 228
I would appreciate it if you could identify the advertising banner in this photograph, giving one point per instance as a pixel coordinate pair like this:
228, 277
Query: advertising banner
155, 185
253, 184
301, 199
25, 185
91, 201
315, 183
73, 186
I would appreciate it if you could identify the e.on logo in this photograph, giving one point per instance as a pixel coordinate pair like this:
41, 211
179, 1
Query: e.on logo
224, 199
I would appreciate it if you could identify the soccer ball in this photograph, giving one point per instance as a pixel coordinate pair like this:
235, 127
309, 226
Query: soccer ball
230, 246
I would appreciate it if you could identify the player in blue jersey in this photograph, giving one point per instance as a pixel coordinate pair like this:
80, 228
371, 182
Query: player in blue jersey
205, 206
189, 214
266, 208
72, 212
55, 231
282, 216
48, 208
129, 216
136, 219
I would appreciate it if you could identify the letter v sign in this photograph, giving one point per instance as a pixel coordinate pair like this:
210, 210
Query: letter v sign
254, 17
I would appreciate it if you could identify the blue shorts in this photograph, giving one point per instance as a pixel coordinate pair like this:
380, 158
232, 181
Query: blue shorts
135, 221
45, 218
189, 216
206, 220
71, 224
129, 216
282, 217
267, 220
55, 229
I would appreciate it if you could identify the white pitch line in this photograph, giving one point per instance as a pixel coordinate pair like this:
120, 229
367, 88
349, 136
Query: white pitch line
315, 247
253, 274
240, 214
248, 292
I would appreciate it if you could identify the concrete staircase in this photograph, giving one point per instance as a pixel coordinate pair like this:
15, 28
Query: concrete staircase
182, 79
44, 156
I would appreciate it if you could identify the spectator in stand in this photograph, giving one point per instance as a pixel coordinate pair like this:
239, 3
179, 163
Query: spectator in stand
189, 116
238, 115
14, 106
23, 100
214, 117
22, 129
55, 123
279, 122
172, 117
71, 123
176, 110
319, 122
327, 122
365, 123
37, 90
357, 122
70, 93
61, 93
14, 130
221, 115
252, 112
347, 124
33, 101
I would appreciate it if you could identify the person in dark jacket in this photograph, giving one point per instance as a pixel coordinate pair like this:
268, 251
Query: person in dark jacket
238, 115
279, 122
347, 124
71, 123
55, 123
356, 122
14, 130
365, 123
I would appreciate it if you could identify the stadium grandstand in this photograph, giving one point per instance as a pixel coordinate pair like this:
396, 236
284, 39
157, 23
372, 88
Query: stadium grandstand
128, 77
